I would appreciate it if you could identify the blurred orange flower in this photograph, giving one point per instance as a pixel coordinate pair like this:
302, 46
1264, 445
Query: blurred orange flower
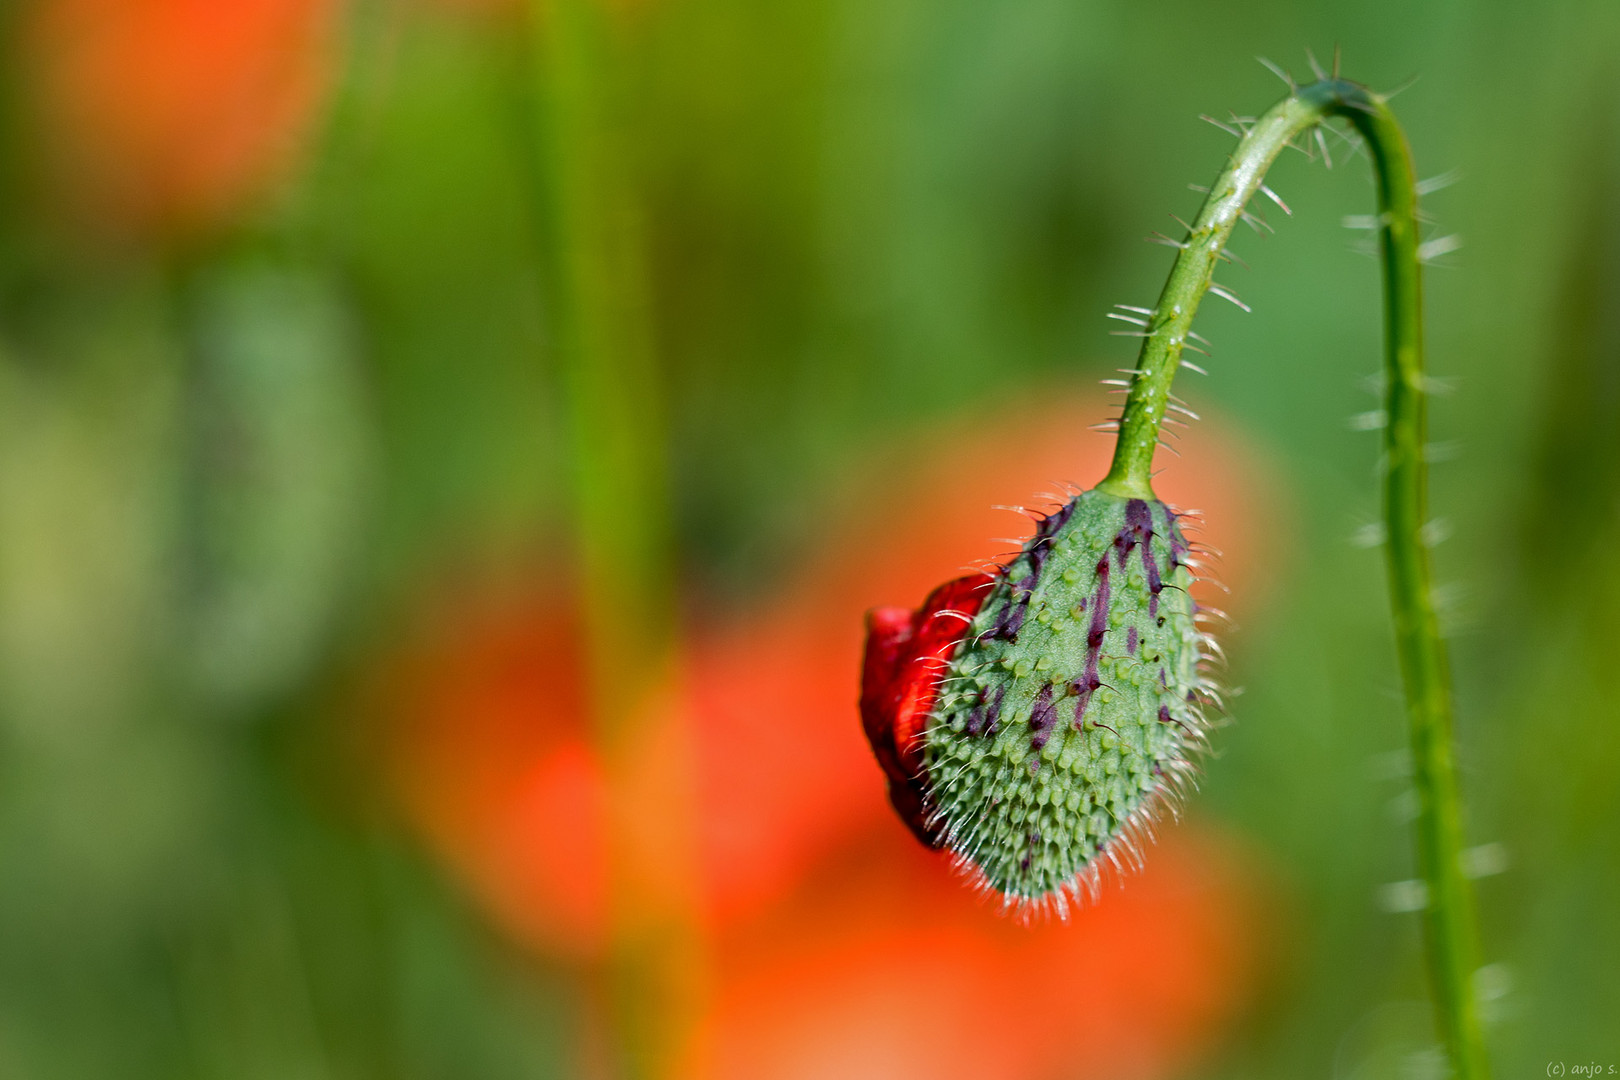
485, 718
169, 114
842, 947
881, 965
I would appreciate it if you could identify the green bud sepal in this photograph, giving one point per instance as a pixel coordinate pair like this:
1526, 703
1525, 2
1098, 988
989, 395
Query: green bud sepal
1071, 710
1034, 725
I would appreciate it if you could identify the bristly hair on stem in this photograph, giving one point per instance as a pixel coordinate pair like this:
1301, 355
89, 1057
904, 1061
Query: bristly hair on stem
1449, 922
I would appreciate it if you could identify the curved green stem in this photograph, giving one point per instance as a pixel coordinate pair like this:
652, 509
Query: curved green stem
1450, 932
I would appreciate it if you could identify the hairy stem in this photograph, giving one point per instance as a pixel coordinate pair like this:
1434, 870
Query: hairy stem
1450, 933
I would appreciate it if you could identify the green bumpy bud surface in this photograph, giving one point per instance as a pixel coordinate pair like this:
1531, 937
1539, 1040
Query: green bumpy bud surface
1068, 711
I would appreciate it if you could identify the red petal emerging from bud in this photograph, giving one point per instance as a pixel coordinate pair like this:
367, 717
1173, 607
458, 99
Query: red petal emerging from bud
906, 654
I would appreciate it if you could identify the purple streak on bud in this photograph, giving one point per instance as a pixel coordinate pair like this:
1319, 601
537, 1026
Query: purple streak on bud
1040, 545
1088, 682
975, 719
1012, 619
1042, 718
1099, 608
982, 720
1085, 686
1055, 521
1138, 529
1151, 568
992, 719
1178, 550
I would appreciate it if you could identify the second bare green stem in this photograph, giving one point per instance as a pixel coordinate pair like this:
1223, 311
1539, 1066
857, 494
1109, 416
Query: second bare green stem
1450, 933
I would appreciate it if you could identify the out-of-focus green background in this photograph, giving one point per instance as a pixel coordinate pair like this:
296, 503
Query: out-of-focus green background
246, 422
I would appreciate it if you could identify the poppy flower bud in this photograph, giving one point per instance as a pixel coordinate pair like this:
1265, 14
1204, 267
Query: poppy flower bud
906, 656
1030, 721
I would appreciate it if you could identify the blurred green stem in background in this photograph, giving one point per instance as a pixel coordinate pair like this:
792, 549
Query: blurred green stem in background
601, 341
1452, 937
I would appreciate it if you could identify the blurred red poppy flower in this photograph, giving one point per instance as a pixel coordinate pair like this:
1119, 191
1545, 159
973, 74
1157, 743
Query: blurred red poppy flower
841, 946
882, 966
169, 114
